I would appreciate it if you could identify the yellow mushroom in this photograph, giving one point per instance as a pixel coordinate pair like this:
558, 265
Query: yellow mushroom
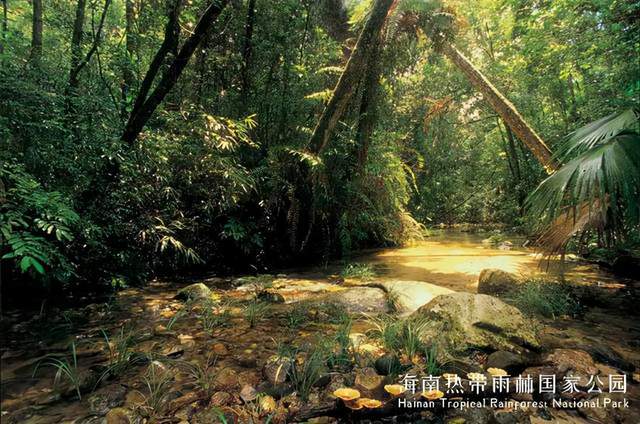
395, 389
353, 404
496, 372
347, 394
369, 403
432, 394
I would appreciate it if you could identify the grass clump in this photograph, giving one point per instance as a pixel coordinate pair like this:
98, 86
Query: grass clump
359, 270
157, 382
66, 369
341, 348
121, 354
202, 374
255, 311
544, 298
393, 300
399, 335
307, 368
214, 315
297, 315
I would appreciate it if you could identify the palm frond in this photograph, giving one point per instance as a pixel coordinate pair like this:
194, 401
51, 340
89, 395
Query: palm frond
598, 188
597, 132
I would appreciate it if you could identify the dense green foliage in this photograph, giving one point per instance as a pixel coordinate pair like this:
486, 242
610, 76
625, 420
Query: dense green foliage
221, 176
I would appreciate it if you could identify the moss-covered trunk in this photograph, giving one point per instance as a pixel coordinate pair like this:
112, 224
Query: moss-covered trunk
350, 77
503, 107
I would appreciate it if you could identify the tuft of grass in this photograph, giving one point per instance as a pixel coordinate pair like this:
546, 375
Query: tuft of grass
202, 374
399, 335
157, 382
431, 365
174, 319
214, 315
307, 368
542, 297
297, 315
255, 311
121, 354
393, 300
66, 369
341, 352
359, 270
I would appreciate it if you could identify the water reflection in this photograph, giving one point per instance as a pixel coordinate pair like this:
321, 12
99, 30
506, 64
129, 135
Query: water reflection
454, 259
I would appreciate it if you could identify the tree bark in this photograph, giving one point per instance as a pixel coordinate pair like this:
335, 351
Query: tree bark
169, 43
4, 25
369, 105
246, 51
76, 44
350, 76
503, 107
77, 61
36, 32
139, 116
131, 45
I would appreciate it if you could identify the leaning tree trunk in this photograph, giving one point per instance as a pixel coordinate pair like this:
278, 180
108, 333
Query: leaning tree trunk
369, 105
144, 107
503, 107
352, 73
36, 32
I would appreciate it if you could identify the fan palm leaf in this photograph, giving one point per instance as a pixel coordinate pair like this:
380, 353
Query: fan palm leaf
597, 132
597, 186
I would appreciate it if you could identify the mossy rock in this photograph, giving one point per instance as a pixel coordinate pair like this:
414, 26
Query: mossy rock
496, 281
194, 292
478, 321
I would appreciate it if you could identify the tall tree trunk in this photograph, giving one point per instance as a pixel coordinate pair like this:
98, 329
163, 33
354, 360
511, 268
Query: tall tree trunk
369, 105
78, 62
169, 43
131, 45
503, 107
76, 44
352, 73
246, 51
140, 115
36, 32
4, 25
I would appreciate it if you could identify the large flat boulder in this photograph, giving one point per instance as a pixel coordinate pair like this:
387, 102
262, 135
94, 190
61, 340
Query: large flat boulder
407, 295
466, 320
358, 299
411, 295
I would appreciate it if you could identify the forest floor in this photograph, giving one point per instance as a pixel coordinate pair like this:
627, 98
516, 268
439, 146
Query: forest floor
147, 356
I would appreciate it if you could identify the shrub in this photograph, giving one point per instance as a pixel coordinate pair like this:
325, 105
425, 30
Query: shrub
545, 298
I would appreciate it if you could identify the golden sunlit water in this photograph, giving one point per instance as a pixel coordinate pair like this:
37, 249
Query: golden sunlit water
455, 259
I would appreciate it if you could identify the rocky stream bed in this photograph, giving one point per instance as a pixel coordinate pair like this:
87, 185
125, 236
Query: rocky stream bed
276, 348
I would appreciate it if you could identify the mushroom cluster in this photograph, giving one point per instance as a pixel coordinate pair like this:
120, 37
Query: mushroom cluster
352, 400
